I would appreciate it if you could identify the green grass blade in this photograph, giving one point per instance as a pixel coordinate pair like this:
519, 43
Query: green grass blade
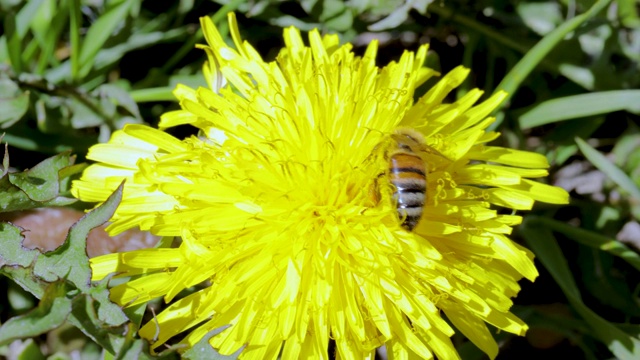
14, 43
16, 26
26, 15
531, 59
546, 248
74, 34
99, 33
591, 239
25, 19
51, 39
537, 54
577, 106
609, 168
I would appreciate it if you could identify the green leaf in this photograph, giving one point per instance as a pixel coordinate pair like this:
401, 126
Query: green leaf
399, 14
591, 239
606, 284
5, 159
136, 313
533, 57
546, 248
69, 261
627, 151
118, 97
40, 20
563, 153
202, 349
541, 17
14, 41
13, 103
75, 18
85, 318
19, 299
41, 182
44, 185
572, 107
91, 310
610, 169
27, 350
99, 32
551, 317
12, 254
628, 13
50, 34
26, 15
24, 138
53, 310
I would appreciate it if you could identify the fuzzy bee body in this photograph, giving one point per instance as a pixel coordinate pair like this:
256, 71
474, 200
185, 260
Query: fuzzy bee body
408, 174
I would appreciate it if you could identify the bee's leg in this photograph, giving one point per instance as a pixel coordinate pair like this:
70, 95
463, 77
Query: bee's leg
374, 189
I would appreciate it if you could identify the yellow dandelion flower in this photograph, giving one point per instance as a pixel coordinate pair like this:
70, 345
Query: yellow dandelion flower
289, 219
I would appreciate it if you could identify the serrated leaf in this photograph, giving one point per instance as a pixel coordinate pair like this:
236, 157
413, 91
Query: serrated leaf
91, 310
108, 312
43, 185
72, 254
203, 350
133, 348
41, 182
546, 248
136, 313
52, 311
12, 253
84, 317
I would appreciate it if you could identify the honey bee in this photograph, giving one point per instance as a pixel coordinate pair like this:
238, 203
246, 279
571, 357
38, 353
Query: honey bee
408, 173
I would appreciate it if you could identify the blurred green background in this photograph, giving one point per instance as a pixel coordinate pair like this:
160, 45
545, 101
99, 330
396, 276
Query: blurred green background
73, 71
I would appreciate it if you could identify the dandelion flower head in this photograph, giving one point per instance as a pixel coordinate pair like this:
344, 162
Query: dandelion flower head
287, 220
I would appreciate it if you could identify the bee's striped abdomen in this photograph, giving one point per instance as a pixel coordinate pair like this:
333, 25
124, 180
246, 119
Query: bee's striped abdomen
408, 174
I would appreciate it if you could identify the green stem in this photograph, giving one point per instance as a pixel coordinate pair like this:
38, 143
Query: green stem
589, 238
